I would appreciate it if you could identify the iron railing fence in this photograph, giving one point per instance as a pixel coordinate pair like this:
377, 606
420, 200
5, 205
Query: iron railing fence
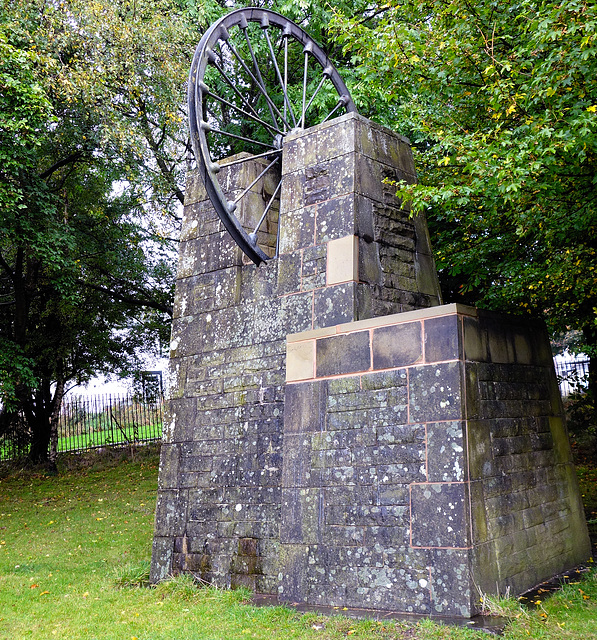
573, 374
91, 422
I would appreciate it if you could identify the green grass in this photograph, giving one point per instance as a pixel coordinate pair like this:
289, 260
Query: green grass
102, 437
74, 559
111, 436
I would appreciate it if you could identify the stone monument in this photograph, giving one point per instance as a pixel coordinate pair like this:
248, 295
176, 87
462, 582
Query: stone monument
335, 435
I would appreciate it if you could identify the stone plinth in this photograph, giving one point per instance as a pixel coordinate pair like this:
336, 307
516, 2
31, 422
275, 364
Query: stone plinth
425, 460
338, 207
347, 252
397, 462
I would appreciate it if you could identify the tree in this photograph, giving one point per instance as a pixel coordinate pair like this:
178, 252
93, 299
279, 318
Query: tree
500, 101
92, 150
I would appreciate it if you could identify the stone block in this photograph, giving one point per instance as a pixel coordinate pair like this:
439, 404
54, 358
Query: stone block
341, 175
435, 392
336, 218
300, 361
293, 569
297, 470
162, 555
369, 265
297, 229
397, 346
384, 145
342, 260
169, 465
334, 305
475, 342
446, 454
171, 511
401, 433
442, 338
304, 407
439, 515
451, 588
334, 141
343, 354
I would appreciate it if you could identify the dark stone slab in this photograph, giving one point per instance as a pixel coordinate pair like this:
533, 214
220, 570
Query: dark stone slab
343, 354
442, 338
397, 346
302, 513
304, 409
293, 567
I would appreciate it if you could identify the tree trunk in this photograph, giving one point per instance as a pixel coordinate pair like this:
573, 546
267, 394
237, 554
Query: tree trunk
592, 387
40, 438
54, 416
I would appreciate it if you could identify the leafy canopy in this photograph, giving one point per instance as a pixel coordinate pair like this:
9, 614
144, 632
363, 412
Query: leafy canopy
500, 101
92, 159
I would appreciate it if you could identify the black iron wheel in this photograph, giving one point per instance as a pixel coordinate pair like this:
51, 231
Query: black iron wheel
256, 77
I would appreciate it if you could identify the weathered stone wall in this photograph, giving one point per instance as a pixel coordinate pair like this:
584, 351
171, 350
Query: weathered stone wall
334, 195
347, 251
425, 458
387, 461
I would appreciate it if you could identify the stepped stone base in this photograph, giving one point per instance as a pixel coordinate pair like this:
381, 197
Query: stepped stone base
425, 461
397, 462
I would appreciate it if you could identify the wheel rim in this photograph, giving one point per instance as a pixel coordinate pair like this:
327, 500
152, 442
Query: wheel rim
255, 77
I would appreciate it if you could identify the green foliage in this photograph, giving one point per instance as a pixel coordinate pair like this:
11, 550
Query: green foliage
587, 481
92, 149
500, 101
580, 419
132, 575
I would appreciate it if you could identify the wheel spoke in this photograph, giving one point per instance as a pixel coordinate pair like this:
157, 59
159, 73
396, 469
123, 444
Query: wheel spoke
279, 75
257, 179
208, 128
302, 120
265, 154
315, 93
269, 205
270, 103
260, 82
341, 103
285, 36
255, 118
229, 82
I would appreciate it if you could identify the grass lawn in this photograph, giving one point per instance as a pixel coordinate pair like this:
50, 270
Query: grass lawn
75, 548
100, 438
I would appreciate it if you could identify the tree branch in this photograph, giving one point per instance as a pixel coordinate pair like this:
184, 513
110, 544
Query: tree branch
72, 158
157, 152
137, 302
